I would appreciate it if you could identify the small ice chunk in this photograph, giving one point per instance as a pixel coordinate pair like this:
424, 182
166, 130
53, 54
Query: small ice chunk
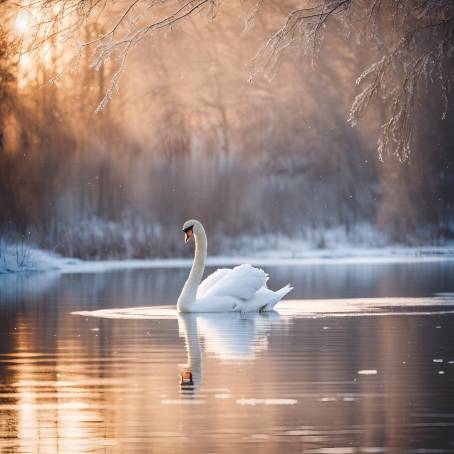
437, 360
222, 396
368, 372
335, 450
441, 372
182, 402
260, 436
438, 327
253, 402
95, 329
328, 399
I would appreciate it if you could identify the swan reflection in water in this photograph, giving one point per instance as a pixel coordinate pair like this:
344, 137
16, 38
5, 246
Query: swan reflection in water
231, 336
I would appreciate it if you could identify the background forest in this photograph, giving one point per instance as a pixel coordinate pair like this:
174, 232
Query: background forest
197, 127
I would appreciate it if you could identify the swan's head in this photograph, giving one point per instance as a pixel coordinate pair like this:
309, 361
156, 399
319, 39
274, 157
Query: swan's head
191, 228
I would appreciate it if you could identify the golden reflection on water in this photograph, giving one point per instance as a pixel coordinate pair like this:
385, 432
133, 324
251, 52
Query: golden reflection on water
260, 382
46, 411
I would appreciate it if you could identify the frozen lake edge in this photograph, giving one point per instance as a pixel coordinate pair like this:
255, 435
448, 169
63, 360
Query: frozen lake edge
41, 261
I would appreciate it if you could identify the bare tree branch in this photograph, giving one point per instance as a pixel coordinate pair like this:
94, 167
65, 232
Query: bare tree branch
420, 45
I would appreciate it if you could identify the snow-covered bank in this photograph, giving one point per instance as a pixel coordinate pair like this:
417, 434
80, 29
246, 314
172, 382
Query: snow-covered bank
15, 258
22, 258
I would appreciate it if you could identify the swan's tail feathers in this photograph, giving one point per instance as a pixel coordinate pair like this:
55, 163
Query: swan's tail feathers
279, 294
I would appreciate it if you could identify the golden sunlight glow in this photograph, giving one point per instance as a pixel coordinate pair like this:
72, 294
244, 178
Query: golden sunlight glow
32, 61
25, 60
25, 70
22, 20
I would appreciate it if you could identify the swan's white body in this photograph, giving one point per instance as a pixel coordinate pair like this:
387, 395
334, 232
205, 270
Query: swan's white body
241, 289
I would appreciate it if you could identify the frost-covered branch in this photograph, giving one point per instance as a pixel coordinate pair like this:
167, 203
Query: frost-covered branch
414, 63
127, 26
301, 25
418, 49
412, 43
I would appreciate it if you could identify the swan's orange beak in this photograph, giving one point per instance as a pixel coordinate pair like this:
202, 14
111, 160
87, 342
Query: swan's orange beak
187, 234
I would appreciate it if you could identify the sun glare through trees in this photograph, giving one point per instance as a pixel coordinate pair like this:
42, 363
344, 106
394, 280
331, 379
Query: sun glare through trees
120, 118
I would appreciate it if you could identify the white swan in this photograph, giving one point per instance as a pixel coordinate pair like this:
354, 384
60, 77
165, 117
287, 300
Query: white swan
241, 289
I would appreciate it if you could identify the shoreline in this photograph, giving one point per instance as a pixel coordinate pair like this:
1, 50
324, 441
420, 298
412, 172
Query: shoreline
45, 261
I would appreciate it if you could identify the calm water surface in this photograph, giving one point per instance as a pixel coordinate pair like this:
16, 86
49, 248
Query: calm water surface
262, 383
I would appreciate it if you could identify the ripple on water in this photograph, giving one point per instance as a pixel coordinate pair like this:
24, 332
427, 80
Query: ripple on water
312, 308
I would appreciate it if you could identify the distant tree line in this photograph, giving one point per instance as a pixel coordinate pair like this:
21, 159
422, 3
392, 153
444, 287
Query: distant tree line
186, 134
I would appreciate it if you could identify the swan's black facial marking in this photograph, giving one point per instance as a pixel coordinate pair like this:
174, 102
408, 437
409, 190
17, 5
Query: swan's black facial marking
188, 232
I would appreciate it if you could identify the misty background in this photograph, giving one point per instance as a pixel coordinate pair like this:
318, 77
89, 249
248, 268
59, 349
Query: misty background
189, 133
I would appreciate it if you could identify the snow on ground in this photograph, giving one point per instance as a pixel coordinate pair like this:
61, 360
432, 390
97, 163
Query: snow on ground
23, 258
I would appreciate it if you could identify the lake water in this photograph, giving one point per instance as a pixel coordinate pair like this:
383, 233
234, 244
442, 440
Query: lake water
360, 375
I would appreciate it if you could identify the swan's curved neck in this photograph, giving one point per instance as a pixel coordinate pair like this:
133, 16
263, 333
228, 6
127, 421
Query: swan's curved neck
189, 292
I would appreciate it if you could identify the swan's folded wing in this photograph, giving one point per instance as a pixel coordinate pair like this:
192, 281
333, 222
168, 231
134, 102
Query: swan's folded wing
241, 282
211, 280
